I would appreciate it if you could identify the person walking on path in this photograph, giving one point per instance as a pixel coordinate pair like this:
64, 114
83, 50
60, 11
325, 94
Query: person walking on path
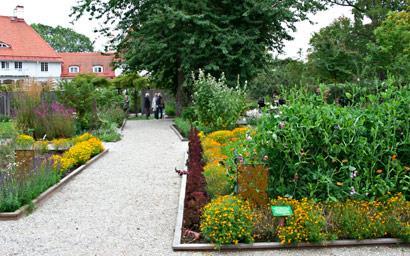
147, 105
161, 106
155, 105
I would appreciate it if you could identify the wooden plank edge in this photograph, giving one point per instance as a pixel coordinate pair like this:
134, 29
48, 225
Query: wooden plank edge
276, 245
123, 124
182, 138
22, 211
181, 203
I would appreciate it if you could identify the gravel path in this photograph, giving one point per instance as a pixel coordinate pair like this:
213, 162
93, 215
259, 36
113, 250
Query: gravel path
124, 204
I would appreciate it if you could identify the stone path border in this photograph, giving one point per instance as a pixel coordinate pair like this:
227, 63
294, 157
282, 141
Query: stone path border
24, 210
178, 246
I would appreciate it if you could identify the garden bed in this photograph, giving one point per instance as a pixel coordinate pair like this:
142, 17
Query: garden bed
177, 245
24, 210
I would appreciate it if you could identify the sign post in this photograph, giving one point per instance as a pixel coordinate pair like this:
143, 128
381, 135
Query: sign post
281, 211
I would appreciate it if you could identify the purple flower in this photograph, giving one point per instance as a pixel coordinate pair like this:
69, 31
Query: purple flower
352, 191
353, 174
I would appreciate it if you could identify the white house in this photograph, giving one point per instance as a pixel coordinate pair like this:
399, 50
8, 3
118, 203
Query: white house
24, 54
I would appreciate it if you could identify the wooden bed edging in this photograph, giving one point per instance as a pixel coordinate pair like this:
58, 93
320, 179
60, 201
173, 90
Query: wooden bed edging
182, 138
24, 210
178, 246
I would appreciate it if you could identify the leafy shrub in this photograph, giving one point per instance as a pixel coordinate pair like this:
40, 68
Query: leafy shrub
112, 115
7, 130
217, 180
307, 224
4, 119
24, 102
330, 152
227, 220
189, 114
108, 132
217, 107
183, 126
196, 196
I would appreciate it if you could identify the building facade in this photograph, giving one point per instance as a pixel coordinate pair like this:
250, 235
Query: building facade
24, 54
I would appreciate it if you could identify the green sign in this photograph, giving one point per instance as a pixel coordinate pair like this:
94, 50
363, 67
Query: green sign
282, 211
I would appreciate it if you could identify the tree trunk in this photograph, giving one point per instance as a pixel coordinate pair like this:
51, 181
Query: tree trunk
179, 96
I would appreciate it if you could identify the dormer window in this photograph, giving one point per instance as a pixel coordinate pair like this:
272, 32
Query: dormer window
74, 69
98, 69
4, 45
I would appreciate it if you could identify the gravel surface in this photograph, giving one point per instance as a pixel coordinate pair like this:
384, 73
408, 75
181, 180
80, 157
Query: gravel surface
125, 204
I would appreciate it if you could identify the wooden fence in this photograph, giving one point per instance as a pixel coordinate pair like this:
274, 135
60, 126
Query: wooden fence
5, 103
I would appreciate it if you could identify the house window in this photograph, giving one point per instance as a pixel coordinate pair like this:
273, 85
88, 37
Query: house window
98, 69
74, 69
4, 45
18, 65
5, 65
44, 67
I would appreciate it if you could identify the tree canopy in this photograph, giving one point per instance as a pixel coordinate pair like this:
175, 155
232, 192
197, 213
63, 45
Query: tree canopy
172, 38
64, 39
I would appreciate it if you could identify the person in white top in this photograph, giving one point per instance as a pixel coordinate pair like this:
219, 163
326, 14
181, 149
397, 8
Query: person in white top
155, 105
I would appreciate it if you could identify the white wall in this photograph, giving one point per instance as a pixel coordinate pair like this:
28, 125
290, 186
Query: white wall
31, 70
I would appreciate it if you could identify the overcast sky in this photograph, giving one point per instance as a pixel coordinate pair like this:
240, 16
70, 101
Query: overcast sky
56, 12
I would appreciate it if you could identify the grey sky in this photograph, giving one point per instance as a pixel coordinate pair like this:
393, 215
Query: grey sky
56, 12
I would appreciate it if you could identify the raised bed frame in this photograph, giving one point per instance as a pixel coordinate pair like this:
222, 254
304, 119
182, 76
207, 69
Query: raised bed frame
25, 209
175, 129
178, 246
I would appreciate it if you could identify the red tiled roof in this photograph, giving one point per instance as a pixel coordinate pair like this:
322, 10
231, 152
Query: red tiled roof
25, 44
86, 61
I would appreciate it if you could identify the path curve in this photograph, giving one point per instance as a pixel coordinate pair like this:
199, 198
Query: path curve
125, 204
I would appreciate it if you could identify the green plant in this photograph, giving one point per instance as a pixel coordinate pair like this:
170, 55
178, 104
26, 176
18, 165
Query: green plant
170, 108
189, 114
217, 181
183, 126
217, 107
15, 192
330, 152
112, 115
227, 220
108, 132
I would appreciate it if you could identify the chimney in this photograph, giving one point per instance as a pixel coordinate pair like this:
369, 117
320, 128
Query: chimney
19, 12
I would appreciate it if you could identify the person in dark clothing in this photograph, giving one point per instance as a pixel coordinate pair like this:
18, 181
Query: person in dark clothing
261, 104
160, 106
147, 105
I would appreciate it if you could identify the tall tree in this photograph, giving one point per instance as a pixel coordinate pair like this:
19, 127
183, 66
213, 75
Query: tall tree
338, 51
390, 53
64, 39
172, 38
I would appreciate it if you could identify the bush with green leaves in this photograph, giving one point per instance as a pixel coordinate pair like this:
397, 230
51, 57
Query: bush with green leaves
88, 95
330, 152
217, 107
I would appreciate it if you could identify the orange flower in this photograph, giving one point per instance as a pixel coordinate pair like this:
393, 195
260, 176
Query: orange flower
393, 157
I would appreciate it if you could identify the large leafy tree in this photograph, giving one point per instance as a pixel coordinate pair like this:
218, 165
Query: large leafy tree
390, 53
172, 38
337, 52
64, 39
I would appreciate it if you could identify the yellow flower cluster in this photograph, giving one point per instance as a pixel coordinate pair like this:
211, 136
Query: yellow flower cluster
78, 154
24, 140
306, 223
213, 143
227, 220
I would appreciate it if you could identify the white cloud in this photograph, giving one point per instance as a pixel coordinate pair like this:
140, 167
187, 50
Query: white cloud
56, 12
